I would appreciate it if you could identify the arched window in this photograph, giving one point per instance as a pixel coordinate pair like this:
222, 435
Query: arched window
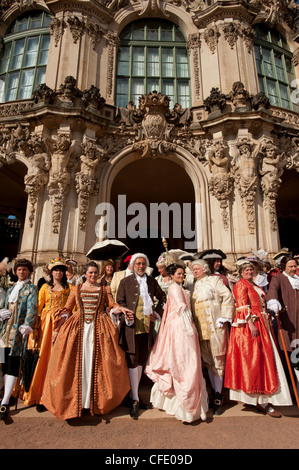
152, 56
24, 56
274, 66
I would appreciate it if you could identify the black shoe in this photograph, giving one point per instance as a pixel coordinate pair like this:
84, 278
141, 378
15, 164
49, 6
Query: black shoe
142, 405
40, 408
4, 410
134, 409
218, 402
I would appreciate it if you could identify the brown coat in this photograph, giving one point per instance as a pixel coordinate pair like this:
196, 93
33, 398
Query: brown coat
281, 290
127, 296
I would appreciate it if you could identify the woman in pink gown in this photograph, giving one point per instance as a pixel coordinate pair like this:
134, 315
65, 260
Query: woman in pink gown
174, 364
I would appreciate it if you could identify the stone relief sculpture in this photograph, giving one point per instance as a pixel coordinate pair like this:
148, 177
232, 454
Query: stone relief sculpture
38, 171
244, 165
211, 36
271, 167
221, 182
85, 177
61, 149
7, 146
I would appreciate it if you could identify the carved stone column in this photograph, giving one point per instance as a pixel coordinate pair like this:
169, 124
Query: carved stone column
38, 171
244, 164
61, 149
85, 178
221, 182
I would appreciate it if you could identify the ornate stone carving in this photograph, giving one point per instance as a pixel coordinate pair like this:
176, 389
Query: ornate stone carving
92, 97
211, 36
240, 97
215, 102
244, 165
43, 95
247, 34
193, 47
115, 5
7, 146
276, 11
57, 27
270, 168
221, 182
76, 27
113, 42
68, 91
38, 170
153, 7
231, 33
61, 149
153, 128
94, 32
260, 101
86, 183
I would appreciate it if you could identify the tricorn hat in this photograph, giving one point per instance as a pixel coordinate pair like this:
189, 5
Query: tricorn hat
212, 254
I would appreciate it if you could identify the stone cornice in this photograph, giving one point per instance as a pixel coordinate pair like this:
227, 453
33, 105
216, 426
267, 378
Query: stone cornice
91, 7
221, 11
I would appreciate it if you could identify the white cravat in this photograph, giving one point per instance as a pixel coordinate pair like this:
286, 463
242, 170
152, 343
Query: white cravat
294, 280
13, 296
147, 301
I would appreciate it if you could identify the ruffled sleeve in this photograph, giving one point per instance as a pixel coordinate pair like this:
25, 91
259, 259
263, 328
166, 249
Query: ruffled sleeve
243, 310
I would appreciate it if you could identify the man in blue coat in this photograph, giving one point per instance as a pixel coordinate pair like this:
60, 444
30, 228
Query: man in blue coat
17, 321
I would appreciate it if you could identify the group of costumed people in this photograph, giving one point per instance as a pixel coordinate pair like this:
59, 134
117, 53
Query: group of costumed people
197, 328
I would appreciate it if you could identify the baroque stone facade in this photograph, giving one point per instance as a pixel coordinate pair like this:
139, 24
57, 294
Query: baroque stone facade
73, 140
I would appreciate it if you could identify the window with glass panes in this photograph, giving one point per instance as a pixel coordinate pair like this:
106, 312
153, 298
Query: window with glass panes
274, 66
24, 56
152, 56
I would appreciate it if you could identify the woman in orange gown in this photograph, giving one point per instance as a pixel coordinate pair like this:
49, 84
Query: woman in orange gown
254, 372
52, 297
88, 368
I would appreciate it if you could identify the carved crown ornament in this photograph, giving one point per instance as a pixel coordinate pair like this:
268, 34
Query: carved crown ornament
151, 128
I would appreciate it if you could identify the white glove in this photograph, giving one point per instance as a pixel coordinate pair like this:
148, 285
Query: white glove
220, 322
25, 330
274, 305
5, 314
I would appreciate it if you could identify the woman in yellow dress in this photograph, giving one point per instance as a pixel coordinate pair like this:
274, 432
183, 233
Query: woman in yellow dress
52, 297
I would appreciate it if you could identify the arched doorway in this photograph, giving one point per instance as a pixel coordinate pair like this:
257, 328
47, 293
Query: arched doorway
12, 208
151, 182
287, 211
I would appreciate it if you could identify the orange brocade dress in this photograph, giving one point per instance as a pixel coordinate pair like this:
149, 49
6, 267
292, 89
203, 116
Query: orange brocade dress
251, 363
49, 303
87, 342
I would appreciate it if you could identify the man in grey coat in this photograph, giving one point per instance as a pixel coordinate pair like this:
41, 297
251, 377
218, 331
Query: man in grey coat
138, 293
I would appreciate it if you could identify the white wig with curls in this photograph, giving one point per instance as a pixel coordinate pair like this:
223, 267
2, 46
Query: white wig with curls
203, 264
138, 255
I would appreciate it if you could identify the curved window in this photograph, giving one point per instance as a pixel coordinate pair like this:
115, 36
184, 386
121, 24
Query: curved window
274, 66
152, 56
24, 56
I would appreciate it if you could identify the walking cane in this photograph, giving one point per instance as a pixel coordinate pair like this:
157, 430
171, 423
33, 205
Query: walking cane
287, 359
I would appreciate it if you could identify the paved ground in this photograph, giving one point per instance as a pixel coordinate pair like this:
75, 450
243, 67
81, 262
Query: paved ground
238, 427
